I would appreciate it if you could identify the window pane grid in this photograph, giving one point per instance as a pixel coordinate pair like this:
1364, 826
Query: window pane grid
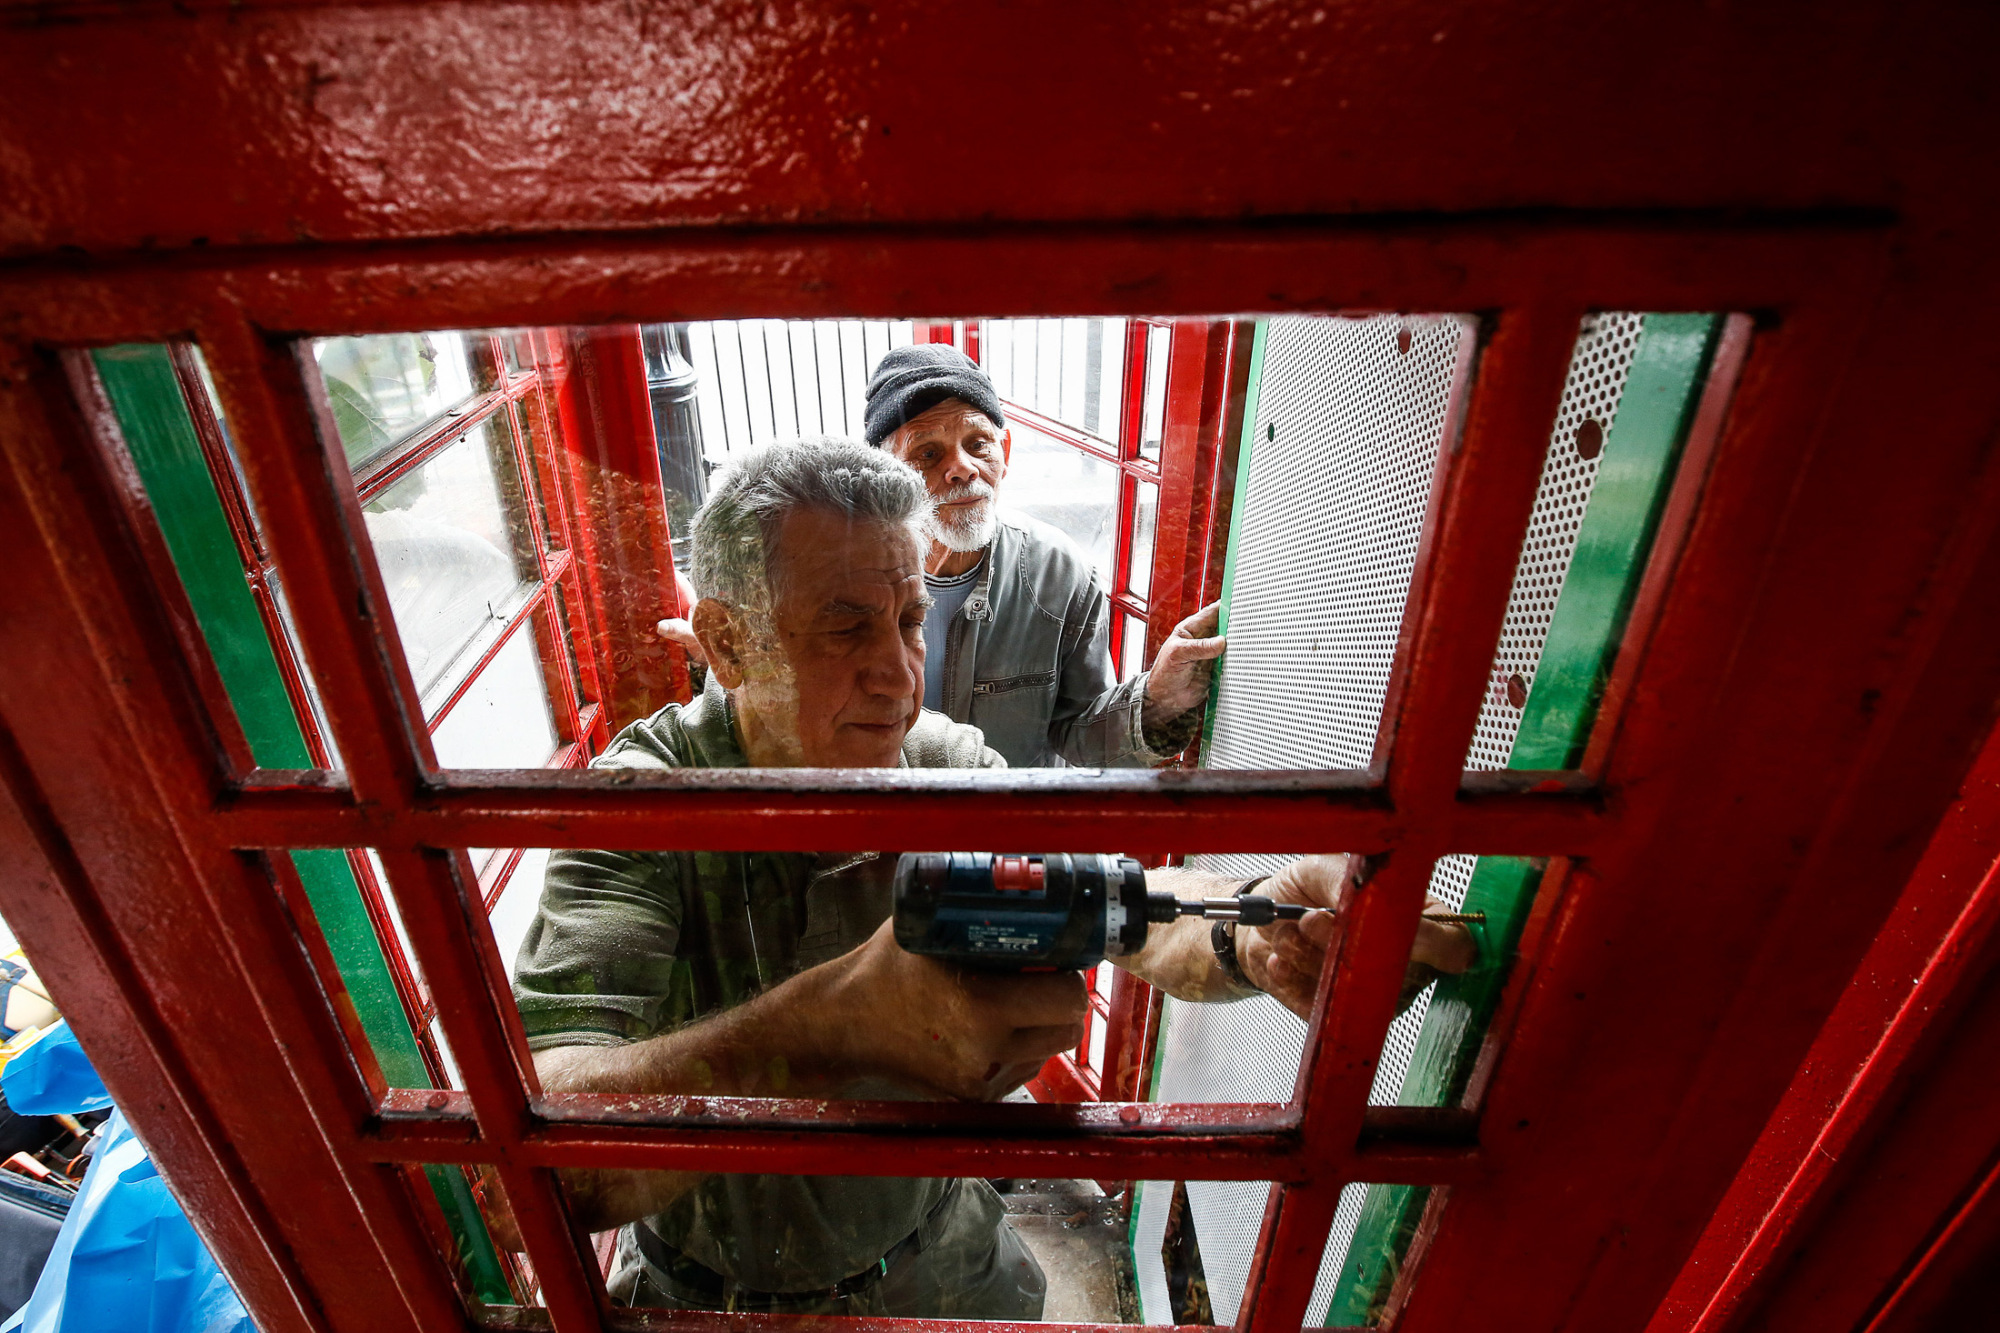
483, 1069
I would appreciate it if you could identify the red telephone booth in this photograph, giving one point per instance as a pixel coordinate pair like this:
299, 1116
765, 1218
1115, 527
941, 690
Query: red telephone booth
1732, 1074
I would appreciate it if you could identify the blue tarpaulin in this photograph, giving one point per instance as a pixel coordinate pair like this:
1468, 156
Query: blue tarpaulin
127, 1260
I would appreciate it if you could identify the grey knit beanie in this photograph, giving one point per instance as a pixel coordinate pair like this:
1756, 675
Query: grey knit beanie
909, 381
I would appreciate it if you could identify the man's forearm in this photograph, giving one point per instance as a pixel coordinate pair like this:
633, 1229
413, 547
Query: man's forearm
775, 1045
1179, 956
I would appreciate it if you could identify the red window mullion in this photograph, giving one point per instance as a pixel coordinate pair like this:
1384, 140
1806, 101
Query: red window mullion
555, 668
215, 452
1191, 427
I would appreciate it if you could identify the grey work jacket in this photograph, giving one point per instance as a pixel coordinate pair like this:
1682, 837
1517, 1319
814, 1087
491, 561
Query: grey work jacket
1027, 660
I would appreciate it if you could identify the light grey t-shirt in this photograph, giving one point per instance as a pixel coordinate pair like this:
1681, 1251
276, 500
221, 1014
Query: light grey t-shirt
949, 596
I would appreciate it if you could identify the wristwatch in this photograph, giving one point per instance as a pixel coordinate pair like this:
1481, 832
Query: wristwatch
1222, 939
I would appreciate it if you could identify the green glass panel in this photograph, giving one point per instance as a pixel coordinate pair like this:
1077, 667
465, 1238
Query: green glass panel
140, 382
159, 434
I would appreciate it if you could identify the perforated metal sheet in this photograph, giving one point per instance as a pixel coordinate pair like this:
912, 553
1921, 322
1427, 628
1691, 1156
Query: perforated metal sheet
1596, 379
1325, 553
1344, 447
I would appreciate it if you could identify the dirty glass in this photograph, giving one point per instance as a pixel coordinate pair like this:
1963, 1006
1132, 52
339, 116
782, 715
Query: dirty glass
503, 718
1070, 370
1153, 402
1139, 563
450, 537
1134, 648
382, 389
1075, 493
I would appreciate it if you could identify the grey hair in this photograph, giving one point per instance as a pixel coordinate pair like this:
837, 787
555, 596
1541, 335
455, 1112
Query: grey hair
735, 533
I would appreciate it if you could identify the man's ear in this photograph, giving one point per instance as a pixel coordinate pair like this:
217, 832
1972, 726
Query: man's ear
1007, 447
721, 639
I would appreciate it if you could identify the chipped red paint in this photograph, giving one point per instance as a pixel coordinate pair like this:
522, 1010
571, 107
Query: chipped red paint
1817, 670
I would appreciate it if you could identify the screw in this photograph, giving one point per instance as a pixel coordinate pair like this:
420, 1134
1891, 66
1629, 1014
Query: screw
1128, 1115
1517, 691
1403, 341
436, 1101
1271, 431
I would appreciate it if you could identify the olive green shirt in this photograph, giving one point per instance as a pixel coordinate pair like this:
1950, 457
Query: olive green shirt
627, 945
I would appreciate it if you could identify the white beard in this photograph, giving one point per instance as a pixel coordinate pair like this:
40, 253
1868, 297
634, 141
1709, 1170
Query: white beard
969, 529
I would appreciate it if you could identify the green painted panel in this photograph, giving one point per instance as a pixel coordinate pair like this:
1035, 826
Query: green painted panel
1653, 415
159, 434
1655, 407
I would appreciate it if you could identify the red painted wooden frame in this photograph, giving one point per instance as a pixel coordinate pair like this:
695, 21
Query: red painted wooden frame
1759, 794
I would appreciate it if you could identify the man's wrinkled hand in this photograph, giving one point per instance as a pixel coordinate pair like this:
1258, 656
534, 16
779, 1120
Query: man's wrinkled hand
1285, 958
680, 633
1185, 665
975, 1036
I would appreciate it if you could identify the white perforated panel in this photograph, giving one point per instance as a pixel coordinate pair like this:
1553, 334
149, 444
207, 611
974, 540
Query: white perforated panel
1349, 418
1324, 554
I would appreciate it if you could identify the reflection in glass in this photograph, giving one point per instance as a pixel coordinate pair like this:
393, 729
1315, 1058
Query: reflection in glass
383, 388
1133, 650
503, 720
1139, 567
1071, 370
1153, 413
452, 544
759, 380
1069, 490
1193, 1244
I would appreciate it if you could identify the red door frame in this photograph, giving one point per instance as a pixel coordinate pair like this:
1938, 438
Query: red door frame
1810, 773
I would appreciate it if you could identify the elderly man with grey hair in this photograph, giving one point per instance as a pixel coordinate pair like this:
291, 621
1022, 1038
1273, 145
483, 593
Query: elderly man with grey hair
777, 974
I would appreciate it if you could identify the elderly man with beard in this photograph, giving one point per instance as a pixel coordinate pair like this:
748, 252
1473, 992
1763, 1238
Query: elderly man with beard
729, 973
1019, 644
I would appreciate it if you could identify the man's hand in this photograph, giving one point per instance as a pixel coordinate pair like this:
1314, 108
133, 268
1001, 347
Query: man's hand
1285, 958
680, 633
972, 1035
1180, 675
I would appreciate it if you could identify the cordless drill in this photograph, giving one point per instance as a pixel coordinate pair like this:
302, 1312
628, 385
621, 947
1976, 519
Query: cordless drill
1045, 913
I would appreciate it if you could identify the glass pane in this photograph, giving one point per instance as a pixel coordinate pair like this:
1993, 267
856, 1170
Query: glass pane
1153, 413
384, 388
1139, 567
524, 418
1194, 1244
566, 634
454, 549
592, 954
1072, 370
191, 488
1133, 649
1071, 491
503, 720
759, 380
